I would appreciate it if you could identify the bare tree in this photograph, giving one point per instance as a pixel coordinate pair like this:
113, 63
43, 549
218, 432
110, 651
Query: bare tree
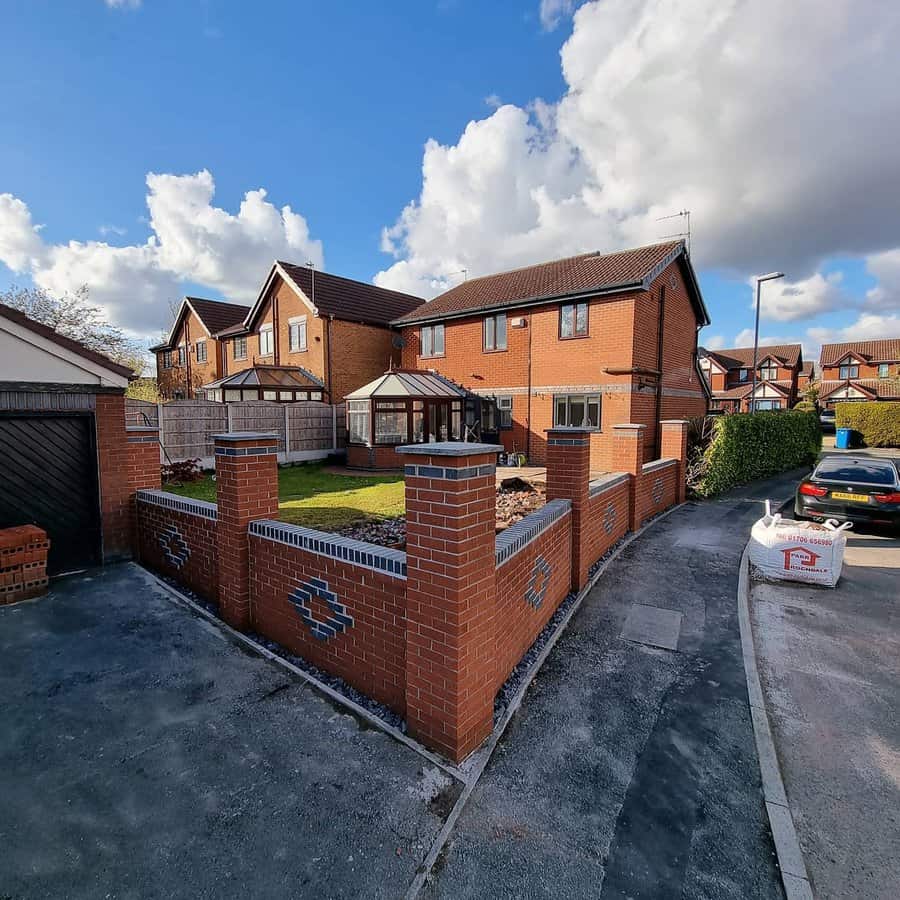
74, 316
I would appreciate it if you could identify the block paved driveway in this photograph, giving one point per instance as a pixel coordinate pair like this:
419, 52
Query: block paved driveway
143, 754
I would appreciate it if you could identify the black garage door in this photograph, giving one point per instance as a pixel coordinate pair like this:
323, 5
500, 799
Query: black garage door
49, 474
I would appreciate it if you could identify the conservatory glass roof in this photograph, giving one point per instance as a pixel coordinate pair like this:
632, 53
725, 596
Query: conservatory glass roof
408, 383
268, 377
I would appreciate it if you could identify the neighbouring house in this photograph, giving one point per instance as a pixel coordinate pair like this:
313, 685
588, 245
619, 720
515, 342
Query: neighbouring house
413, 407
309, 336
781, 377
596, 339
859, 370
70, 464
192, 355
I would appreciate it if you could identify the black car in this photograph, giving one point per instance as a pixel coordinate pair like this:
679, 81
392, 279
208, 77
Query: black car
826, 420
851, 488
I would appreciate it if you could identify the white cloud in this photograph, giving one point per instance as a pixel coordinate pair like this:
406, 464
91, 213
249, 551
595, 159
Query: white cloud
868, 327
493, 101
123, 4
552, 12
192, 240
713, 342
773, 122
789, 301
885, 296
107, 230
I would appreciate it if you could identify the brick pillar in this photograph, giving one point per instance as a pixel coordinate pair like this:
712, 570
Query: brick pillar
112, 460
450, 551
628, 456
674, 446
143, 470
246, 489
568, 478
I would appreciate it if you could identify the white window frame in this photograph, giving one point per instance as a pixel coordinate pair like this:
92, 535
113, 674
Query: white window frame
182, 355
242, 341
427, 341
270, 340
588, 400
295, 330
768, 372
201, 342
504, 410
849, 370
490, 333
884, 370
743, 374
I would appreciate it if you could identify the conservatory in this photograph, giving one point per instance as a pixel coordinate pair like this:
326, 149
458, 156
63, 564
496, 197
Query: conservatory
412, 407
282, 384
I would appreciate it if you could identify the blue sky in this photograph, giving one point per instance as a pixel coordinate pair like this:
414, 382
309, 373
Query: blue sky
328, 108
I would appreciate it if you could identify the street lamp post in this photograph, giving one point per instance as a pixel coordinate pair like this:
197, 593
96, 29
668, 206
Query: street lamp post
770, 277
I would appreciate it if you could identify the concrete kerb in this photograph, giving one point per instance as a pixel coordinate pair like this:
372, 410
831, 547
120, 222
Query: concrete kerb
794, 875
478, 761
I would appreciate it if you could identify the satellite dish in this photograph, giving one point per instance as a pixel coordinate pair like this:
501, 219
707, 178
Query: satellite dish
398, 342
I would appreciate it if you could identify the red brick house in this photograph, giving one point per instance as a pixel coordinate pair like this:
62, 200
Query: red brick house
192, 355
596, 339
780, 380
860, 370
309, 336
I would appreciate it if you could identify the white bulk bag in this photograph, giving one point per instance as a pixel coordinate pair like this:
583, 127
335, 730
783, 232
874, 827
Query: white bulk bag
798, 551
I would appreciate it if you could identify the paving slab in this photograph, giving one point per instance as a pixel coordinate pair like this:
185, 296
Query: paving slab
143, 754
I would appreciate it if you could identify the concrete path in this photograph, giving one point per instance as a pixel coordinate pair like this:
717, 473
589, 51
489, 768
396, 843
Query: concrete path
631, 770
143, 754
830, 667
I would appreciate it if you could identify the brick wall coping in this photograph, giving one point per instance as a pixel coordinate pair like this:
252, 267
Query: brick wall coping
515, 538
607, 482
234, 436
449, 448
634, 428
385, 560
570, 429
655, 464
180, 504
674, 422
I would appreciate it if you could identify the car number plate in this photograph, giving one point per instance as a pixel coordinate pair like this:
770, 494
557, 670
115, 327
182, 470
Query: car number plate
853, 498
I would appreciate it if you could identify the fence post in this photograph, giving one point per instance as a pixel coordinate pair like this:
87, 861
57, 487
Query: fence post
568, 478
287, 432
674, 446
628, 456
450, 556
247, 489
162, 434
334, 445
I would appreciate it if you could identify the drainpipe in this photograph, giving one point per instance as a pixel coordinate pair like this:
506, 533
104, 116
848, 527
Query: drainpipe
187, 355
528, 410
659, 367
329, 385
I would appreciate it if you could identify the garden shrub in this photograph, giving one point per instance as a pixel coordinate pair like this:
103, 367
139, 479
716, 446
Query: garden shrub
747, 446
877, 422
805, 406
182, 471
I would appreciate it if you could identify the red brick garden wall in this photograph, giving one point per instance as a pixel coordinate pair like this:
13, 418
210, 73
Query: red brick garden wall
177, 537
347, 618
607, 516
657, 489
534, 573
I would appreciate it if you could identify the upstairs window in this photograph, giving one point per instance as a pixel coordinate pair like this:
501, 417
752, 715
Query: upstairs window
297, 335
743, 374
768, 372
200, 349
431, 340
495, 332
167, 359
576, 411
266, 341
573, 320
849, 371
239, 347
182, 355
884, 370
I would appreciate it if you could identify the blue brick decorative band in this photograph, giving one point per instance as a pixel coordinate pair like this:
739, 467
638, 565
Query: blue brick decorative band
568, 442
609, 517
607, 483
447, 473
174, 546
658, 491
246, 451
317, 589
538, 583
179, 504
358, 553
508, 543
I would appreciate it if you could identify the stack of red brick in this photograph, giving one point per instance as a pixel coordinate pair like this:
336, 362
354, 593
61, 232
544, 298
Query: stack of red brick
23, 563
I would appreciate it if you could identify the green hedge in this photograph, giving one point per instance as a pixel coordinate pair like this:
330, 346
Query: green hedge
747, 446
878, 423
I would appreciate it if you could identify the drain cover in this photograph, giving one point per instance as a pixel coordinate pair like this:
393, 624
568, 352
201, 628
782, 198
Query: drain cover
653, 626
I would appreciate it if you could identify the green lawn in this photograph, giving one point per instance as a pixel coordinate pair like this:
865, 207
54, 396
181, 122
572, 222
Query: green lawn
314, 498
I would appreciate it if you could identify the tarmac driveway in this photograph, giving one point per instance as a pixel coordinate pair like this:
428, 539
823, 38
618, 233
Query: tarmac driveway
144, 754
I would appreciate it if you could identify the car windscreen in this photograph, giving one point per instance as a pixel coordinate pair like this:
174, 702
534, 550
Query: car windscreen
862, 472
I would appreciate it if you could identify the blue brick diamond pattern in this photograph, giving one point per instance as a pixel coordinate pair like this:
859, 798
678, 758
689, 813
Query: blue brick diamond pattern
657, 491
174, 546
538, 583
301, 598
609, 518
